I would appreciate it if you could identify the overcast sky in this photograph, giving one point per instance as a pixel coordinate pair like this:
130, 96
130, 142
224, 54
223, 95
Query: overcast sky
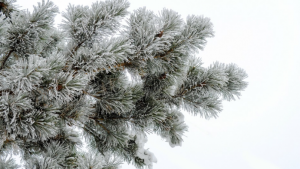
261, 130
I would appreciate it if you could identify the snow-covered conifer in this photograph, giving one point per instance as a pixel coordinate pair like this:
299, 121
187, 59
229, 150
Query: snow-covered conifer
97, 82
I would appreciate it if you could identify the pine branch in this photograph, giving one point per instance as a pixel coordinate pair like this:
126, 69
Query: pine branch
102, 126
190, 89
74, 50
111, 118
6, 58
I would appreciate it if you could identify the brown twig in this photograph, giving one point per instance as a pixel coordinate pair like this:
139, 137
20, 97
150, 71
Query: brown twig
185, 91
102, 126
77, 47
5, 59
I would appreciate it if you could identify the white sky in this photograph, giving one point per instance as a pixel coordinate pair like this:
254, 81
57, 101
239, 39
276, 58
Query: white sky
261, 130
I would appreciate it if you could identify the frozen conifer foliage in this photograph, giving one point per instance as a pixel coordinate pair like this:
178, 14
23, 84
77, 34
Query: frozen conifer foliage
95, 81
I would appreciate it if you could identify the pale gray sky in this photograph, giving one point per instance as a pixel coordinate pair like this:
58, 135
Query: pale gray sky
261, 130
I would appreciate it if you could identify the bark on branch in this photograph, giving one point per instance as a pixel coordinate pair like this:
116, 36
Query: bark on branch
5, 59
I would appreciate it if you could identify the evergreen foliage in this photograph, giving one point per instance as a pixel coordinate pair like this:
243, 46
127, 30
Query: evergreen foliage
96, 79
